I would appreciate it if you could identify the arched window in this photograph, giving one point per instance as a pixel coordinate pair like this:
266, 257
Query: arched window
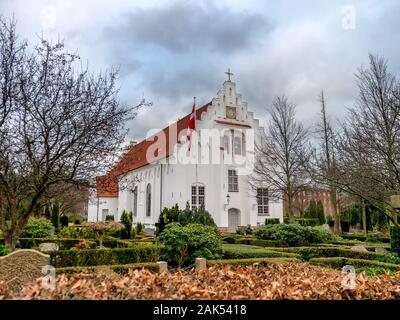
148, 200
237, 145
135, 195
225, 143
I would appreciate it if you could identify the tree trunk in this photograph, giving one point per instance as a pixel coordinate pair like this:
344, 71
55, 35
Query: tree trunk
364, 216
290, 206
10, 239
336, 217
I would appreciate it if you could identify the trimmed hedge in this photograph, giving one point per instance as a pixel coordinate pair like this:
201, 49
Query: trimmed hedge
251, 261
118, 268
339, 262
238, 251
96, 257
362, 237
67, 243
256, 242
307, 253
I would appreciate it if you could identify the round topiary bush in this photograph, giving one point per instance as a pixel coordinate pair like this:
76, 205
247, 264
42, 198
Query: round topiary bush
182, 244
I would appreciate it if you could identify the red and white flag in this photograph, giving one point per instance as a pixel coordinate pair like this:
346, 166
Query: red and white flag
191, 124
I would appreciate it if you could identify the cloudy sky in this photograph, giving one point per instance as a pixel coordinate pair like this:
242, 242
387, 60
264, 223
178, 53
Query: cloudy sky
170, 51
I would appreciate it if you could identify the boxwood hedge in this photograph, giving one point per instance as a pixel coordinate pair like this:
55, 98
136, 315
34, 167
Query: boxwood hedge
95, 257
237, 251
339, 262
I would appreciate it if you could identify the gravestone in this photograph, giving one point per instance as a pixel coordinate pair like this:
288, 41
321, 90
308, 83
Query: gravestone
162, 266
326, 226
201, 264
381, 250
22, 267
359, 248
48, 246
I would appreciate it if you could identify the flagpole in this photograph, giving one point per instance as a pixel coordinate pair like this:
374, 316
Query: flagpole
197, 157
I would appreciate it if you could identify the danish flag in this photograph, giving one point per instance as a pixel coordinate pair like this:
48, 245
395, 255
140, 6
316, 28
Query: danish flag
191, 124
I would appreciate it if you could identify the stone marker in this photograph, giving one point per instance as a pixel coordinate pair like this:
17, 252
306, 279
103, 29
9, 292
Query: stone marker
162, 266
325, 226
359, 248
381, 250
201, 264
48, 246
22, 267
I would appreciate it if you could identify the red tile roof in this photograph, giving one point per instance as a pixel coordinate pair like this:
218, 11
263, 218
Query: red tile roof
107, 186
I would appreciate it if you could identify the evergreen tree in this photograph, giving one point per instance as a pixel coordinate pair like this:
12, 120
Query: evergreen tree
55, 215
320, 212
126, 220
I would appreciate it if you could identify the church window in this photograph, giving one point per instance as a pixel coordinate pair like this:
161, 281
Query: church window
233, 181
262, 201
243, 144
225, 143
237, 145
198, 196
148, 200
135, 195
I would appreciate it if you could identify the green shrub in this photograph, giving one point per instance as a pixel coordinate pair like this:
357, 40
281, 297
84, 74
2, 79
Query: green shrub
95, 257
244, 230
182, 244
237, 251
117, 268
126, 220
183, 217
345, 225
330, 221
110, 217
272, 221
395, 239
139, 227
75, 219
77, 233
294, 234
4, 250
362, 237
37, 228
64, 221
305, 222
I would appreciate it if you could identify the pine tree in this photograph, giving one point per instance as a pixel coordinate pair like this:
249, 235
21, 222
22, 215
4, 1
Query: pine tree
55, 215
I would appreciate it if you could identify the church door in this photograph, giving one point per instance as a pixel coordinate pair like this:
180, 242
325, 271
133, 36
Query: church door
233, 220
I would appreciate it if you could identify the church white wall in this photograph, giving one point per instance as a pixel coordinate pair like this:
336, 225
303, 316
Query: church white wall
177, 179
96, 206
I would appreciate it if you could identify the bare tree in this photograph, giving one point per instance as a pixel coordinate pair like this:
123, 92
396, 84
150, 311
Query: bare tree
370, 143
327, 159
278, 154
58, 124
367, 159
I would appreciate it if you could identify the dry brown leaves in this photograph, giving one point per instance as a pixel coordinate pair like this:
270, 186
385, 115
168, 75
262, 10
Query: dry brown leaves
289, 281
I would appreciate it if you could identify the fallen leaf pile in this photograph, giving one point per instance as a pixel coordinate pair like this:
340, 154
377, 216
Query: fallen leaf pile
289, 281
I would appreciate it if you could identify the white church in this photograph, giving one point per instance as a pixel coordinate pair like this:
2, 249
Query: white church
215, 171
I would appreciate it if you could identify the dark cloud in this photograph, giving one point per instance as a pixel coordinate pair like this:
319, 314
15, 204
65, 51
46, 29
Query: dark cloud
189, 26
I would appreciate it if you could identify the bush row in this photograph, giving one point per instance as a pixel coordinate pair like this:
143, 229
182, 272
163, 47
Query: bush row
251, 261
251, 241
66, 243
90, 257
118, 268
339, 262
237, 251
369, 238
307, 253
